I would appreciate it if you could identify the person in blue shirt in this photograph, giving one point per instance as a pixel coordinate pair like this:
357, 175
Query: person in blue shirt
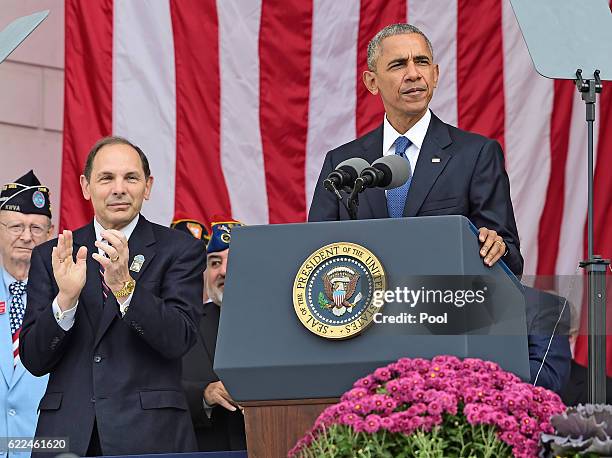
25, 221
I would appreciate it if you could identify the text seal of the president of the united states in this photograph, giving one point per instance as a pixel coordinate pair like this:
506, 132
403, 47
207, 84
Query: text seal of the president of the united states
334, 287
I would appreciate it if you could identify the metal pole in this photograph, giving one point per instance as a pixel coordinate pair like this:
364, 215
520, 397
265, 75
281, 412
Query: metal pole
594, 265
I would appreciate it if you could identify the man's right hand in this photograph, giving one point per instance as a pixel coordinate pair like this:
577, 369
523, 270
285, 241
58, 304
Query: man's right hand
215, 393
69, 275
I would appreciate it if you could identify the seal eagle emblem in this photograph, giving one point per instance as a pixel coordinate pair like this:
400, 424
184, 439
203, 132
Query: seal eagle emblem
334, 287
339, 284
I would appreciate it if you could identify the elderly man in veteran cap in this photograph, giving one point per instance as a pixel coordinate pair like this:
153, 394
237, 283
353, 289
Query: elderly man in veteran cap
25, 221
217, 418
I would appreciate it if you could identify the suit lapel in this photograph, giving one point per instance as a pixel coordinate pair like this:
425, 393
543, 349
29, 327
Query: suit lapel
18, 373
375, 197
141, 243
91, 296
426, 172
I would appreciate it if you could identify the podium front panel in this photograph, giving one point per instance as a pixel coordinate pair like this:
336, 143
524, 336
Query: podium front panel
264, 352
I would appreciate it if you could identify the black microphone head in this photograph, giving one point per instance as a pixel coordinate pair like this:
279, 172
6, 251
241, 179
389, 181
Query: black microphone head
353, 166
396, 171
345, 174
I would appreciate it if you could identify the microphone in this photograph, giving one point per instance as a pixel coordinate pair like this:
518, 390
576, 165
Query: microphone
345, 174
388, 172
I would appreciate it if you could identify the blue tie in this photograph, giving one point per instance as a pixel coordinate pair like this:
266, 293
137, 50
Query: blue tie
396, 198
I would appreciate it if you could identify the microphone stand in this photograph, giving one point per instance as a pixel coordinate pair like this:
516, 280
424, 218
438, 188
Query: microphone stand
595, 266
352, 201
353, 198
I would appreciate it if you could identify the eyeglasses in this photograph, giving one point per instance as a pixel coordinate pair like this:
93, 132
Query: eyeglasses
18, 229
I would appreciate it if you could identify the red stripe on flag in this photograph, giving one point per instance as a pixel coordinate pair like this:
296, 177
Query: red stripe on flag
549, 231
16, 346
480, 68
284, 56
200, 190
87, 98
372, 18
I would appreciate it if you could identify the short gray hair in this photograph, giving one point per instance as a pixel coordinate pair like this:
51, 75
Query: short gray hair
389, 31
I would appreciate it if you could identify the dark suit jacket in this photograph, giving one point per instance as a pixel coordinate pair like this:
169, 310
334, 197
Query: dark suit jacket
224, 430
542, 313
123, 372
469, 180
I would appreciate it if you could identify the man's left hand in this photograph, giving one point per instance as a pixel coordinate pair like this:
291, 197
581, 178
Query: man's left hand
216, 394
116, 271
493, 246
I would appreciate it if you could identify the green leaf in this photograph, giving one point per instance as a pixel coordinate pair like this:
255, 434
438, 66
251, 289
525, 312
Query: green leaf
322, 301
453, 438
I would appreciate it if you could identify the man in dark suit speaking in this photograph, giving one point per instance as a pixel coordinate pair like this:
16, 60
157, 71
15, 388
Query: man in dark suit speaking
111, 311
455, 172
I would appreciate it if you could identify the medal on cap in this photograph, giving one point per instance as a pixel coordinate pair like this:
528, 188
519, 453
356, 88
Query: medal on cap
195, 229
38, 199
137, 263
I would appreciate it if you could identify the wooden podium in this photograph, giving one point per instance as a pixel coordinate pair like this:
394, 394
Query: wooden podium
274, 427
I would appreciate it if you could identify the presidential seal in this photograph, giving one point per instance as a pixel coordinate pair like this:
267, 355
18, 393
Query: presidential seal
333, 290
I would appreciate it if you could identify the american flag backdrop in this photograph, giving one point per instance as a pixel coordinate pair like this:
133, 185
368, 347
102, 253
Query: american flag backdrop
236, 103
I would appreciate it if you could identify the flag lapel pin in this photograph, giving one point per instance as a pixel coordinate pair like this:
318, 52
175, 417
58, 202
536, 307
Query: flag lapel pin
137, 263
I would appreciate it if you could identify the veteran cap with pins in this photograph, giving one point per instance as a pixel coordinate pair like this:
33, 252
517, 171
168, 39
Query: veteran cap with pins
220, 233
26, 195
192, 227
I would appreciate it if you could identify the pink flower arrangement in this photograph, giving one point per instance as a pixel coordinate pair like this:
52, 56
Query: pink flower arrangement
449, 399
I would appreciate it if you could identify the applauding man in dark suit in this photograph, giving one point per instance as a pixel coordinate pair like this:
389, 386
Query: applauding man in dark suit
111, 311
455, 172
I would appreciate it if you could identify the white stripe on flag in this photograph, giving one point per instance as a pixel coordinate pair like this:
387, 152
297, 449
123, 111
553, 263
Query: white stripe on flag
571, 241
528, 104
438, 20
144, 94
331, 111
241, 149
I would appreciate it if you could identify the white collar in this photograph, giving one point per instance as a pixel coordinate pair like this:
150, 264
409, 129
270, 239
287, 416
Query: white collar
8, 278
416, 134
127, 230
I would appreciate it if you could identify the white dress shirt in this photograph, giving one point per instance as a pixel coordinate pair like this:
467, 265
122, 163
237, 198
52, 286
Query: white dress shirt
416, 135
65, 319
